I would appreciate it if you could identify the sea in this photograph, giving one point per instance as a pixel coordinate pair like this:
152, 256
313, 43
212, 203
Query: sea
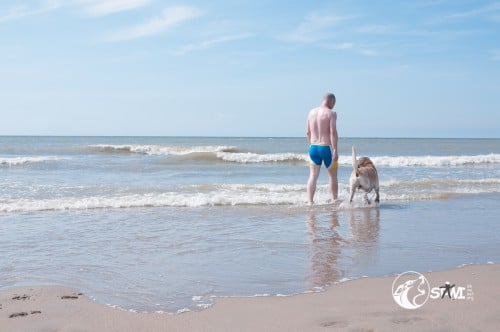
167, 224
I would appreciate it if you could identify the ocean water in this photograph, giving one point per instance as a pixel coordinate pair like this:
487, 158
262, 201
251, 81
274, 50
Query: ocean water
169, 223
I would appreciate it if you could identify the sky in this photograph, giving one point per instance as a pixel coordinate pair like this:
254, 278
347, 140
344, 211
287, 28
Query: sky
427, 68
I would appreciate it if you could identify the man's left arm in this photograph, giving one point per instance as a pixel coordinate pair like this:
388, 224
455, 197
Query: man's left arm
333, 134
308, 131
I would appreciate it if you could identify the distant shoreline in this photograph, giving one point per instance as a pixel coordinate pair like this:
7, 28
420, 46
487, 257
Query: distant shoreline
250, 137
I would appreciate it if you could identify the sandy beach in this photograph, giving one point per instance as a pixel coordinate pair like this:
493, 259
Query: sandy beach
365, 304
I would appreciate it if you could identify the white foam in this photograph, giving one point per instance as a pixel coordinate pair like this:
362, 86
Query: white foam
438, 182
13, 161
253, 194
231, 154
345, 280
162, 150
381, 161
249, 157
204, 305
212, 195
435, 161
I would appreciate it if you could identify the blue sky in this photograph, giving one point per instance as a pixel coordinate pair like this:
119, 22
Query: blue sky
427, 68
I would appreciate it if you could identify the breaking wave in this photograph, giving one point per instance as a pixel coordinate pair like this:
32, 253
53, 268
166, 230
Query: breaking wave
161, 150
236, 155
264, 194
436, 161
13, 161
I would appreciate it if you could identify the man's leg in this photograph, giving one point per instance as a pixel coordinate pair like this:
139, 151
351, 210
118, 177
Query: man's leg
334, 184
311, 184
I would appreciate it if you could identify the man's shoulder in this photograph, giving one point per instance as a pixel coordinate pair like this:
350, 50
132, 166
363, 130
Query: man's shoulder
313, 111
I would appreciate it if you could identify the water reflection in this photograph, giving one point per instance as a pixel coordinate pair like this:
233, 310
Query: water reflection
348, 240
364, 226
325, 250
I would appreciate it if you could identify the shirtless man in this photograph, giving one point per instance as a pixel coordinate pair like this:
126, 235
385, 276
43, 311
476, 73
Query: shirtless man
322, 136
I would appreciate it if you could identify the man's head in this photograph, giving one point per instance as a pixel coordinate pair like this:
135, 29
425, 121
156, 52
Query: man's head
329, 100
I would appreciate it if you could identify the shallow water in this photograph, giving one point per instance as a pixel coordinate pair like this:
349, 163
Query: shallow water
156, 230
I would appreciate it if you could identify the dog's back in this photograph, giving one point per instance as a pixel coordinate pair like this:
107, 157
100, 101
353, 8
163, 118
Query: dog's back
364, 176
367, 168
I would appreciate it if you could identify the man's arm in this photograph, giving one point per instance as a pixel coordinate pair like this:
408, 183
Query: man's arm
333, 133
308, 131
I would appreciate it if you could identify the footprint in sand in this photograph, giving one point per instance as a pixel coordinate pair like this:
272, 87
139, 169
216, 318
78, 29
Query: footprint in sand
18, 314
406, 320
22, 314
339, 324
66, 297
74, 296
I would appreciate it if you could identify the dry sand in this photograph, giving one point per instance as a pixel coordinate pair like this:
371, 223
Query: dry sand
361, 305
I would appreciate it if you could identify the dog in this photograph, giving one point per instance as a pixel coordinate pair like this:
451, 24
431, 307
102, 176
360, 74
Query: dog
364, 176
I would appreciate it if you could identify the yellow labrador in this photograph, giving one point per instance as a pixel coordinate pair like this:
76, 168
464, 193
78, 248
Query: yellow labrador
364, 176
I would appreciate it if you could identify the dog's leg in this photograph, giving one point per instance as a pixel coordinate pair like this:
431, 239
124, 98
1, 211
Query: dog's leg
377, 199
353, 190
366, 198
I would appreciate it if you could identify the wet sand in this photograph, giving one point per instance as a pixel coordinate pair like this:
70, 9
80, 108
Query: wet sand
365, 304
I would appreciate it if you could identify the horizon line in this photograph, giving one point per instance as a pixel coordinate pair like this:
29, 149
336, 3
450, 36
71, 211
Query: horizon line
265, 136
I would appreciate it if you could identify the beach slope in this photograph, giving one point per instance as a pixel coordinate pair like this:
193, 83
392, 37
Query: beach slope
365, 304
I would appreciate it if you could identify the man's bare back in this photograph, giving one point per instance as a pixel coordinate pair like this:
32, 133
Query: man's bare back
321, 125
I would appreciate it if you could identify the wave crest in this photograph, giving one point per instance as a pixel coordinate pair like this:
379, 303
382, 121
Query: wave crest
162, 150
436, 161
263, 194
13, 161
235, 155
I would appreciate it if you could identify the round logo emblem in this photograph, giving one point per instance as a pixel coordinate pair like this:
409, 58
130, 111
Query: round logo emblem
410, 290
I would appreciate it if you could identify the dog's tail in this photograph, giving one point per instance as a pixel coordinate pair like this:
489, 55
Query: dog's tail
354, 161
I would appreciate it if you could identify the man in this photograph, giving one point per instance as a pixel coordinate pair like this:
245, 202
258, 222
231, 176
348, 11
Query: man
322, 137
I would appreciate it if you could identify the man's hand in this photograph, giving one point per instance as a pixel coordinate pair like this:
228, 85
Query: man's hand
335, 155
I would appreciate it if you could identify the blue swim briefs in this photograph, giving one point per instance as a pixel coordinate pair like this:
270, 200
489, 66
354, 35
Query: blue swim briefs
321, 154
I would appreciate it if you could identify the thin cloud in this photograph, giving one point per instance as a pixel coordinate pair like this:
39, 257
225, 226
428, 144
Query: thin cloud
376, 29
342, 46
369, 52
484, 11
212, 43
315, 27
476, 12
106, 7
22, 11
171, 17
431, 3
